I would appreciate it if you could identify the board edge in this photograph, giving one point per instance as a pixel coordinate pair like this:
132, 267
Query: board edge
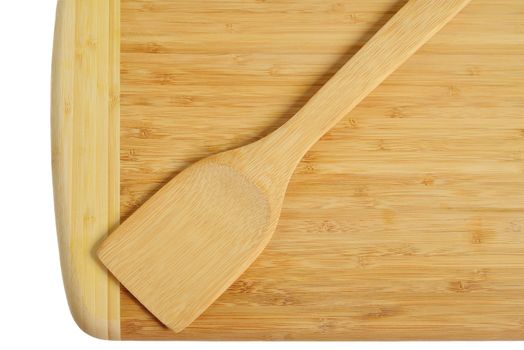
85, 133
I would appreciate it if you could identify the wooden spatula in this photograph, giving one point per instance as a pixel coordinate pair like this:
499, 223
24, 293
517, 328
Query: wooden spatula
188, 243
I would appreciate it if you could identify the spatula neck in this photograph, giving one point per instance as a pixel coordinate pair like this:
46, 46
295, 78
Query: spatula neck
405, 33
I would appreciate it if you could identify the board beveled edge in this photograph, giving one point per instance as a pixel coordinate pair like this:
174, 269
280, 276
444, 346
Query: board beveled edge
85, 127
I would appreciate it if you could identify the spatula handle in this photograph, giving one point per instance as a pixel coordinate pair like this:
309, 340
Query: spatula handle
404, 34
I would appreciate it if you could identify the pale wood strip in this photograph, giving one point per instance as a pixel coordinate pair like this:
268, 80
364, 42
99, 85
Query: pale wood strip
85, 158
114, 153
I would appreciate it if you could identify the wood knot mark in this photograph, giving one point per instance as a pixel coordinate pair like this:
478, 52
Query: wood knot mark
363, 261
274, 70
352, 123
325, 325
92, 43
397, 112
453, 91
428, 181
114, 100
167, 79
68, 107
471, 283
380, 312
480, 235
230, 27
361, 191
89, 219
153, 48
337, 7
353, 18
284, 300
461, 286
243, 287
328, 226
474, 70
404, 250
477, 237
515, 226
382, 146
187, 100
307, 168
281, 298
130, 155
240, 59
480, 274
145, 133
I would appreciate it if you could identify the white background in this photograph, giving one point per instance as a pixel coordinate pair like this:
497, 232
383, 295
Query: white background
33, 310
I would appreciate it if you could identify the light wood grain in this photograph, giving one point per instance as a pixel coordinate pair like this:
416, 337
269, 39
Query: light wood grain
403, 222
187, 244
85, 127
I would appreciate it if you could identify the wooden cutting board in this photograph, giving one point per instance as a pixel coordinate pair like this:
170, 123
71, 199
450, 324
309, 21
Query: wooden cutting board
406, 221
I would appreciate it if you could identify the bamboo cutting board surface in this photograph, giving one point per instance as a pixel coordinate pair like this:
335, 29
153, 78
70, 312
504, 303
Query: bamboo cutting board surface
406, 221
